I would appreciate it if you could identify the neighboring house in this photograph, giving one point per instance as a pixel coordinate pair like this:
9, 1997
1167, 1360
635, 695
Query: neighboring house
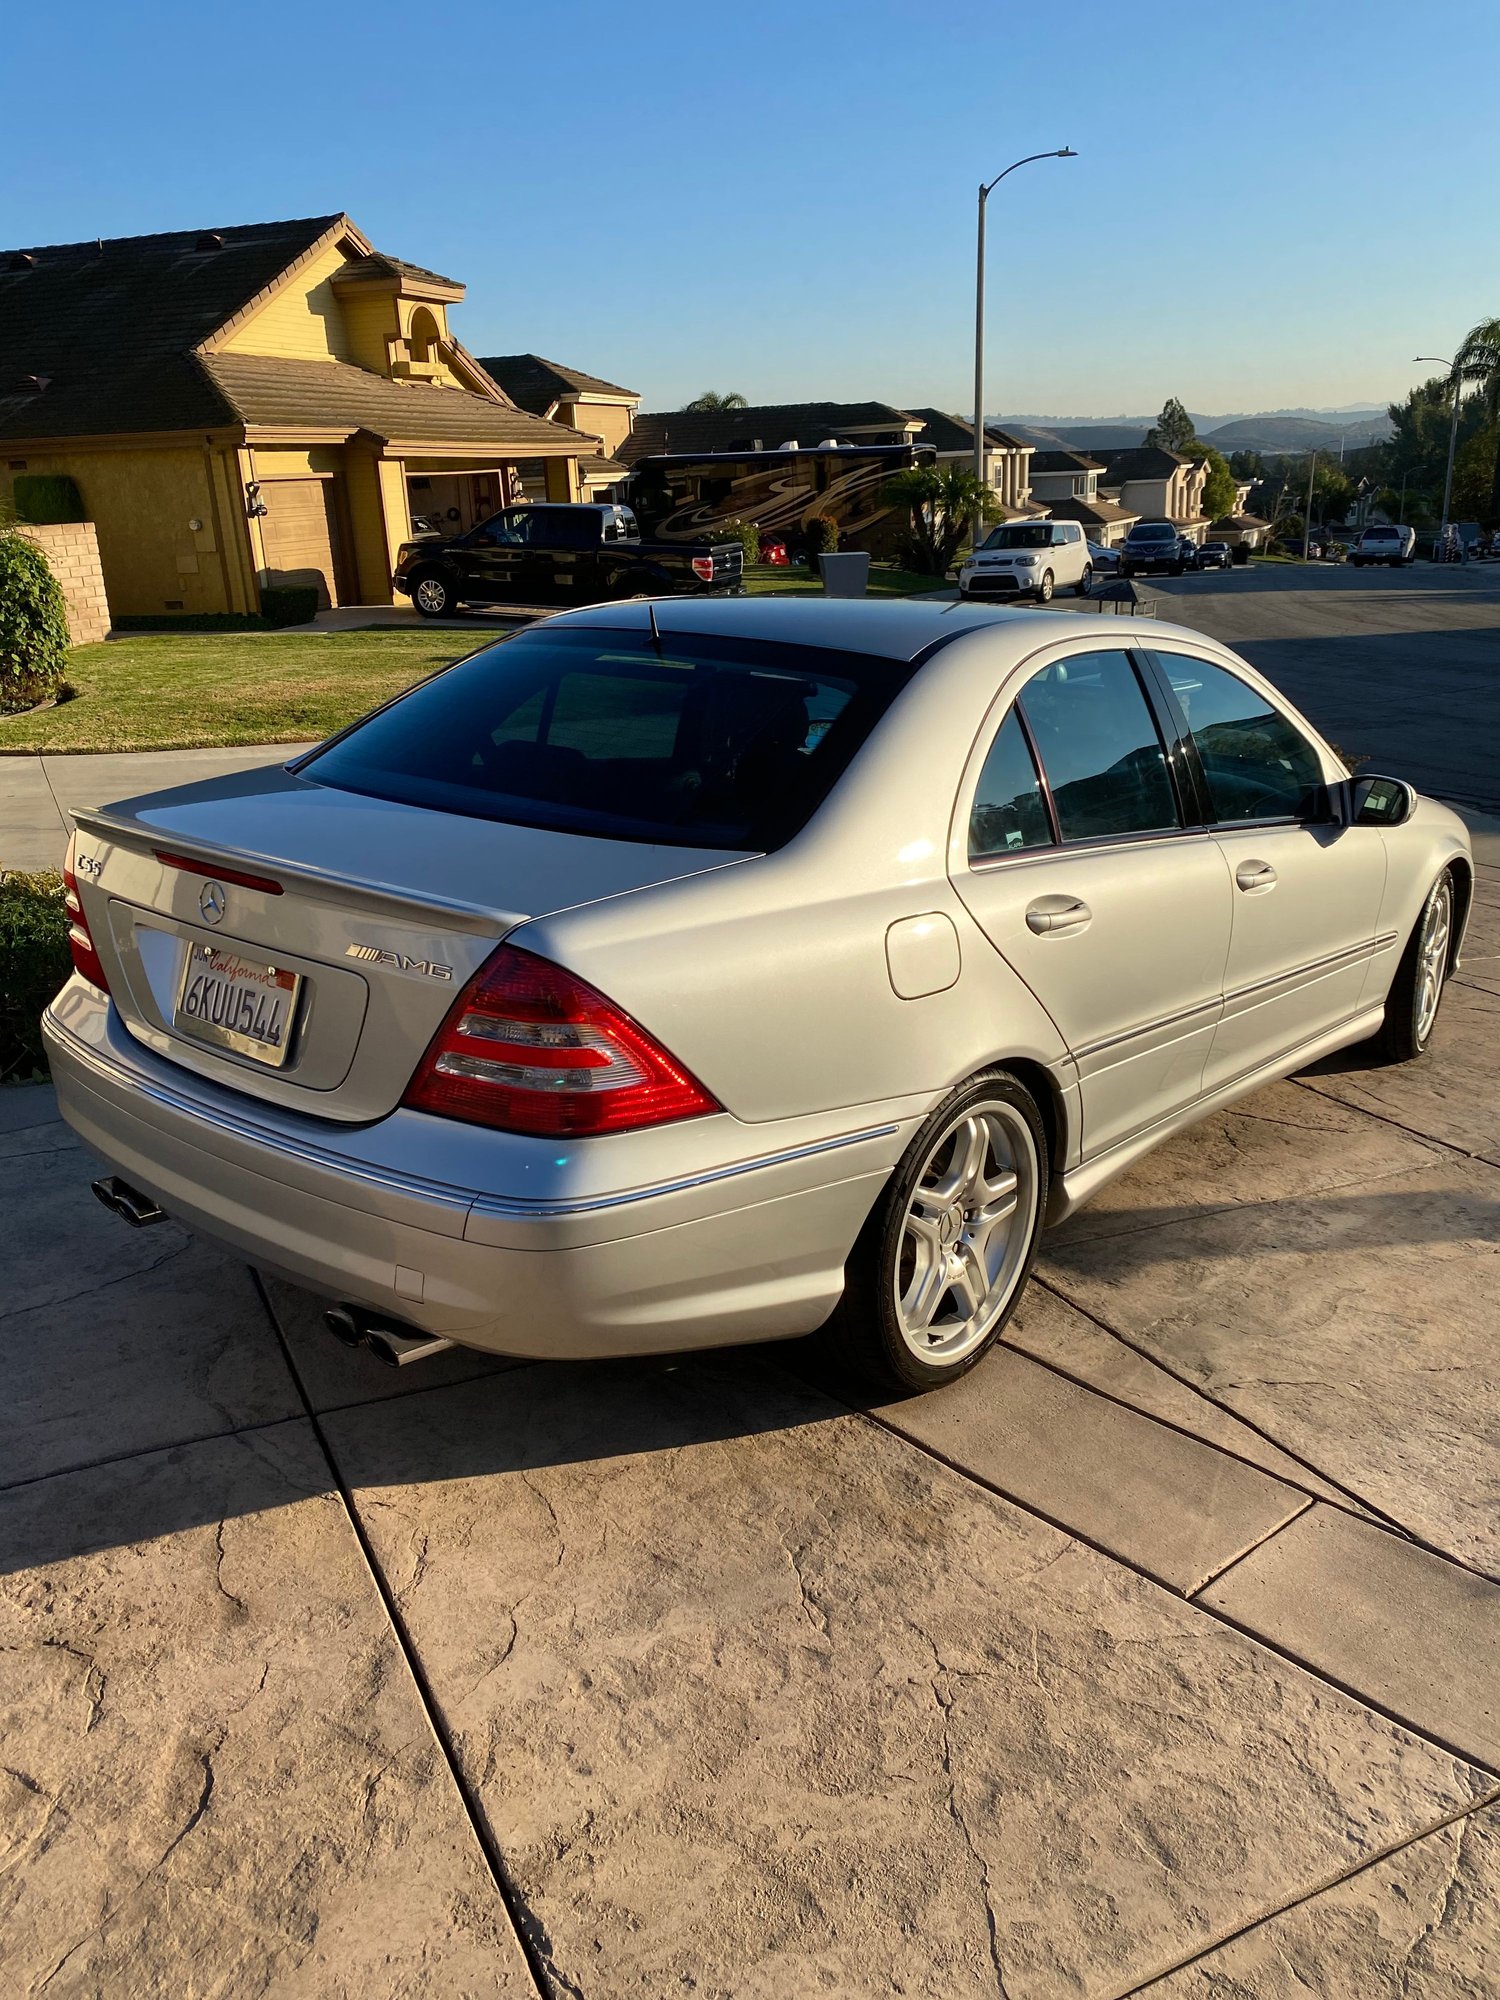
1068, 482
1155, 484
764, 427
252, 406
585, 403
1240, 527
1007, 459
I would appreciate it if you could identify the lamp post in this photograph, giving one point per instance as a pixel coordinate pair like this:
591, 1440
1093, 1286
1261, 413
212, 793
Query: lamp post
985, 191
1452, 367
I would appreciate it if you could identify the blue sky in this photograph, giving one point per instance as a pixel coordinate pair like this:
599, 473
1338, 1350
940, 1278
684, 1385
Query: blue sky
1274, 204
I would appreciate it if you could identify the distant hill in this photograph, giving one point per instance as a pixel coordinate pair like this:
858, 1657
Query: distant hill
1264, 430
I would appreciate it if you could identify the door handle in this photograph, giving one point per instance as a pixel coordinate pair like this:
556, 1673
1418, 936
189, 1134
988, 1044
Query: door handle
1253, 875
1057, 916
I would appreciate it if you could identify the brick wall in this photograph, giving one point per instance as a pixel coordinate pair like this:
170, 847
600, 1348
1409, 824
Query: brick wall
72, 552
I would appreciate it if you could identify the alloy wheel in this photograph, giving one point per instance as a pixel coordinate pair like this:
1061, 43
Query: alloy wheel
432, 597
967, 1232
1432, 956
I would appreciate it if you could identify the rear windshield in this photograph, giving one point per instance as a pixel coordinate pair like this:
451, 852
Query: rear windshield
702, 743
1381, 535
1019, 535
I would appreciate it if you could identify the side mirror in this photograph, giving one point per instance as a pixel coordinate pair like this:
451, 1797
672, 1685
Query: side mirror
1381, 802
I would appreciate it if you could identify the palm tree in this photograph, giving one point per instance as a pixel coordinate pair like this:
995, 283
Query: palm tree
942, 500
1478, 361
711, 399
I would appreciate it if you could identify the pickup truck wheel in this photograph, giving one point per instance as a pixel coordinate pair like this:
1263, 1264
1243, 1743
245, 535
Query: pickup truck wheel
433, 596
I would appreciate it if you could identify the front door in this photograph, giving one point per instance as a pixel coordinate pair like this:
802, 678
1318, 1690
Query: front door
494, 556
1306, 894
1087, 876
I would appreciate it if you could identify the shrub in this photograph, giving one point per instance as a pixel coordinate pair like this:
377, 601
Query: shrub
34, 962
748, 536
820, 537
33, 625
289, 604
45, 497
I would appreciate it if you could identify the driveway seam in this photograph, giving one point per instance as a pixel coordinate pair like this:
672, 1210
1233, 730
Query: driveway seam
1447, 1145
1479, 1805
510, 1897
1209, 1611
1260, 1541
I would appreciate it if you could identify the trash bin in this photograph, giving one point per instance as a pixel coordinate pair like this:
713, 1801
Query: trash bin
845, 575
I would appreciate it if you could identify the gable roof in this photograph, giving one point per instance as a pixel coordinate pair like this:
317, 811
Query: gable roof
265, 391
1143, 461
534, 384
379, 265
1096, 513
694, 431
950, 433
1065, 461
109, 325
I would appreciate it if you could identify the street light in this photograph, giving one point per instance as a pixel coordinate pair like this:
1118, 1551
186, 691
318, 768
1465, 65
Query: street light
1452, 366
985, 191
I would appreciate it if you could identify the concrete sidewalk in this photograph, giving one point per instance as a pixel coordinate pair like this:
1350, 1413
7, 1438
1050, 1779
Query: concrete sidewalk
1157, 1656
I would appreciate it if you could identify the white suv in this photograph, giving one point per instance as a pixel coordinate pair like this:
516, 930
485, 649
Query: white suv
1028, 559
1384, 545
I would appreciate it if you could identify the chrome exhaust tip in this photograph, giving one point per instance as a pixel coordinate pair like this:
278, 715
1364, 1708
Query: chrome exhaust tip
121, 1199
392, 1344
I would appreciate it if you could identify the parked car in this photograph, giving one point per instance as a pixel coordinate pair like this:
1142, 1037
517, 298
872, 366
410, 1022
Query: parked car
1028, 559
1188, 549
540, 554
1384, 544
765, 965
1150, 548
1215, 555
773, 551
1105, 561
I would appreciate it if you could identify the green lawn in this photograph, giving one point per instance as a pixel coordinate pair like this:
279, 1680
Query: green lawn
184, 691
170, 691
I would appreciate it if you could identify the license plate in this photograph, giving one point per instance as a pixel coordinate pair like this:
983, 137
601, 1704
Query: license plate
239, 1003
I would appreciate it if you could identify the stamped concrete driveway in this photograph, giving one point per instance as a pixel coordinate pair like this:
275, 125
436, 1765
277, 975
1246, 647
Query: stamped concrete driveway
1157, 1656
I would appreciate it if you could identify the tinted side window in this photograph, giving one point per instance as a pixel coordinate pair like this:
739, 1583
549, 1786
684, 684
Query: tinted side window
1099, 747
1258, 765
1008, 814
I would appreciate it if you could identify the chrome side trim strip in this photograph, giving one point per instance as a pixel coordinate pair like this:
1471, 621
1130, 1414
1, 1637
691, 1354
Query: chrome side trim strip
493, 1205
1148, 1028
415, 1185
1350, 955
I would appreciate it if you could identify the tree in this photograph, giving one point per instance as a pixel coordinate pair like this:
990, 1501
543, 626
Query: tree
711, 399
941, 500
1220, 489
33, 625
1247, 465
1479, 361
1173, 429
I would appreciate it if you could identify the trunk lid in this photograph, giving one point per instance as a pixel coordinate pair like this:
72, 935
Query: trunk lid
378, 913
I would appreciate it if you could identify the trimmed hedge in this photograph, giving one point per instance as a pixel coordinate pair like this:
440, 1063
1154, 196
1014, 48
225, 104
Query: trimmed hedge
291, 605
34, 962
33, 626
44, 498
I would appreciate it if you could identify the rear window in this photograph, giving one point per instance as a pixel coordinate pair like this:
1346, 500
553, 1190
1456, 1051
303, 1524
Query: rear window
1381, 535
704, 743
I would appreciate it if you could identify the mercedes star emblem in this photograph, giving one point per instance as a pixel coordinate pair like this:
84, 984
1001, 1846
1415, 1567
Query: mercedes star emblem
212, 902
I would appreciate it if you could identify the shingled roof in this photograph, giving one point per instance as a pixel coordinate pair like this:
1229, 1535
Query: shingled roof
1144, 461
695, 431
536, 385
101, 339
1065, 461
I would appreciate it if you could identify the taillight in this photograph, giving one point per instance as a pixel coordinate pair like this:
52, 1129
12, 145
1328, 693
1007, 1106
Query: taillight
527, 1047
80, 943
703, 568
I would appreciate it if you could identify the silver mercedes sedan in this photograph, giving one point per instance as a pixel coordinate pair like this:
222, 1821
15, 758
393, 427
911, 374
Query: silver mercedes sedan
675, 974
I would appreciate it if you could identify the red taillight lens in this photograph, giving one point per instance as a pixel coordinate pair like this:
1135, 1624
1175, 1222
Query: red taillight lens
80, 943
703, 568
530, 1048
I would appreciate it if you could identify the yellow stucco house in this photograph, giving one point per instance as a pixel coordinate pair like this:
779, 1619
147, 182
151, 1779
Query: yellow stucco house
254, 406
568, 396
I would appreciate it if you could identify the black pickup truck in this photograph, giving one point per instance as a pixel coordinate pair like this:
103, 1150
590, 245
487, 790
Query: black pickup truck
579, 554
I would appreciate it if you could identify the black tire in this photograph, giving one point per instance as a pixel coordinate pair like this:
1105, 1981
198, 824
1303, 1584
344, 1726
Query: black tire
1126, 572
1085, 582
1356, 562
865, 1336
432, 594
1044, 588
1178, 568
1407, 1029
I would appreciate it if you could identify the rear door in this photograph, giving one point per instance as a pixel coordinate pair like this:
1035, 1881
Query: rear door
1305, 893
1086, 872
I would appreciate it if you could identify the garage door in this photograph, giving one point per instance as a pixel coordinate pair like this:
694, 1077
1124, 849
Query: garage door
301, 531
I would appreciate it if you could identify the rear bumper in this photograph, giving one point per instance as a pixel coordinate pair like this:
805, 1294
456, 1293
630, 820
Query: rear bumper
750, 1248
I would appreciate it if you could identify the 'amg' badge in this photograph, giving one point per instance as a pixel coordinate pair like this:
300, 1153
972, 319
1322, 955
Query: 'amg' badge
374, 954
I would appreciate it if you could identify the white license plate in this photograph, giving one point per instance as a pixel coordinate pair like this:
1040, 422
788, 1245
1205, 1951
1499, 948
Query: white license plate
239, 1003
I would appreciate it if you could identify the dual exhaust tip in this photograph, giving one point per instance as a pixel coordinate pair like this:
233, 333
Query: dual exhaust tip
395, 1345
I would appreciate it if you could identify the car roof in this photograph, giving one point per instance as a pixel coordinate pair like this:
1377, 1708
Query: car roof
892, 628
